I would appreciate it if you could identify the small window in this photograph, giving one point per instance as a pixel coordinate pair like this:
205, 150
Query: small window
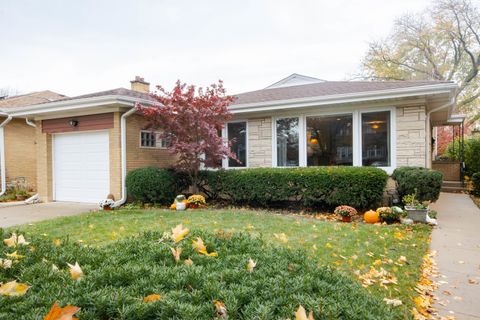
287, 142
376, 139
147, 139
237, 131
152, 139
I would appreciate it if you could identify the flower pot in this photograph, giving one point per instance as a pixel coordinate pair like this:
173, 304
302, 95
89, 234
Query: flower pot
346, 219
181, 206
193, 205
417, 215
107, 208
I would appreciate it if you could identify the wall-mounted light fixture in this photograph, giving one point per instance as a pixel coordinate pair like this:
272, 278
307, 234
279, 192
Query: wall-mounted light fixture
73, 122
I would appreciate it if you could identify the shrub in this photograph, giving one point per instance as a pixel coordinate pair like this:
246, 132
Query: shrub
325, 187
476, 183
118, 276
424, 183
472, 150
154, 185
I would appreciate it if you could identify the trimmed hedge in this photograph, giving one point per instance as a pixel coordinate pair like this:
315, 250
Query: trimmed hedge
118, 276
425, 182
476, 183
154, 185
325, 187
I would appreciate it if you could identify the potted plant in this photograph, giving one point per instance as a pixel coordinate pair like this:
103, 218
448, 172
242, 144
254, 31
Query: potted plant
180, 203
346, 212
106, 204
416, 210
196, 201
388, 215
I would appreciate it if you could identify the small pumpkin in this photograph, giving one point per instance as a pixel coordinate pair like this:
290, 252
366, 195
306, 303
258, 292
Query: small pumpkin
371, 216
173, 206
187, 204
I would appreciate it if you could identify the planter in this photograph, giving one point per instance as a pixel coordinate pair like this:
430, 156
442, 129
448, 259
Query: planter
417, 215
390, 220
346, 219
107, 208
181, 206
193, 206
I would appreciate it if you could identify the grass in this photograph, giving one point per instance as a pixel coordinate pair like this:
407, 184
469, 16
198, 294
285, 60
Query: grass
349, 248
118, 276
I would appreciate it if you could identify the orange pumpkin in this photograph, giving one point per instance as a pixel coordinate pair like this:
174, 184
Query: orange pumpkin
371, 216
173, 206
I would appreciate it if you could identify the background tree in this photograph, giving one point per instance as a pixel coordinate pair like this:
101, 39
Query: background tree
191, 120
442, 43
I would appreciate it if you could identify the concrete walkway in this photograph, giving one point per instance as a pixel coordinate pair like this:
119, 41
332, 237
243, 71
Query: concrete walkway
21, 214
457, 242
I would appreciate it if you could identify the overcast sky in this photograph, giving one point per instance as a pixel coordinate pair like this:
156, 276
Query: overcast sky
77, 47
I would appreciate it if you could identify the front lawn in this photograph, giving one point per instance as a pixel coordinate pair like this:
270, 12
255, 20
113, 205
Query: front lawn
353, 249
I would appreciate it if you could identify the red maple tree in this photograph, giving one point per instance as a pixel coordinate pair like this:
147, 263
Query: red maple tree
191, 121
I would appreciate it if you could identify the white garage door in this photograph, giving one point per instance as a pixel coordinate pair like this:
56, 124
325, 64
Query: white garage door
81, 166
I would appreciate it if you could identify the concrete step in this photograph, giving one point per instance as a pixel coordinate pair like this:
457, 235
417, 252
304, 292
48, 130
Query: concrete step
449, 189
452, 184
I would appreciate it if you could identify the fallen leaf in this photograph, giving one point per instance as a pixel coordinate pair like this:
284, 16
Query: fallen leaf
5, 263
58, 313
57, 242
328, 245
179, 233
398, 235
14, 241
393, 302
176, 253
200, 247
220, 309
75, 271
14, 255
13, 289
55, 268
188, 262
301, 314
152, 297
471, 281
251, 265
282, 237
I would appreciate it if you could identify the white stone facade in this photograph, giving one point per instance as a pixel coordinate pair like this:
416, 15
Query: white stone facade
260, 142
411, 136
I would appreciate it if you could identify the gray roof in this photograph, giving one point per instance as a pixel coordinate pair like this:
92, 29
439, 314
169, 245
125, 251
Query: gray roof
114, 92
326, 88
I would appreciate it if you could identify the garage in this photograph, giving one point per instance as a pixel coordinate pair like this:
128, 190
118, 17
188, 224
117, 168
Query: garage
81, 170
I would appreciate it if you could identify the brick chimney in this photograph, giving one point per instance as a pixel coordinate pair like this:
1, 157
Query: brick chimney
140, 85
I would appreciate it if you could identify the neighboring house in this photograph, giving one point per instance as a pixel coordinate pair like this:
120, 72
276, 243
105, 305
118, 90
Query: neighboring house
86, 144
19, 151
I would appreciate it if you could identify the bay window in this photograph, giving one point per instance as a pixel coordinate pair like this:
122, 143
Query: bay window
287, 138
376, 139
329, 140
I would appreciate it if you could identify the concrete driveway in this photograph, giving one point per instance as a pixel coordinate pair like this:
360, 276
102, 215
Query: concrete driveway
20, 214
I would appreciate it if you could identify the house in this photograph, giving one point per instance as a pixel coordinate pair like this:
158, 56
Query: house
85, 145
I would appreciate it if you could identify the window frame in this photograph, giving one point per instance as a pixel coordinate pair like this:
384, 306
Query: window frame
356, 133
226, 139
158, 141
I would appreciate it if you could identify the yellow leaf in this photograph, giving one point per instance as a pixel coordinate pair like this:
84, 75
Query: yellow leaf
65, 313
397, 235
393, 302
75, 271
55, 268
176, 253
179, 233
57, 242
282, 237
152, 297
251, 265
220, 309
14, 255
14, 241
188, 262
377, 262
328, 245
210, 254
200, 247
13, 289
301, 314
5, 263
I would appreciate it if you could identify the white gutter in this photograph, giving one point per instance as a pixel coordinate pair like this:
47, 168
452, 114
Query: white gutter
428, 136
342, 98
123, 146
2, 152
34, 198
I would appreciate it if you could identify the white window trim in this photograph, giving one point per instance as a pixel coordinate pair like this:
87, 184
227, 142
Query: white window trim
356, 139
158, 141
226, 138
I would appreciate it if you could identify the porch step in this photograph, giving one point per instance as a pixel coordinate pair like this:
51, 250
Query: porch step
453, 187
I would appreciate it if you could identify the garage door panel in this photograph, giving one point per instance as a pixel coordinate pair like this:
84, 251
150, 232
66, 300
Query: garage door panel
81, 166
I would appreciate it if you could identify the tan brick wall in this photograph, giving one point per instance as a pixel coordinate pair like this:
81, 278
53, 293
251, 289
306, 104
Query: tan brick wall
20, 152
138, 157
411, 136
44, 164
260, 142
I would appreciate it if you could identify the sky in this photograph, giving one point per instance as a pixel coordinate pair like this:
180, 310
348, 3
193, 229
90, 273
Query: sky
77, 47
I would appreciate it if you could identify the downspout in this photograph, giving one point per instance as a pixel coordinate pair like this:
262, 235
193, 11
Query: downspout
34, 198
123, 146
428, 136
2, 152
